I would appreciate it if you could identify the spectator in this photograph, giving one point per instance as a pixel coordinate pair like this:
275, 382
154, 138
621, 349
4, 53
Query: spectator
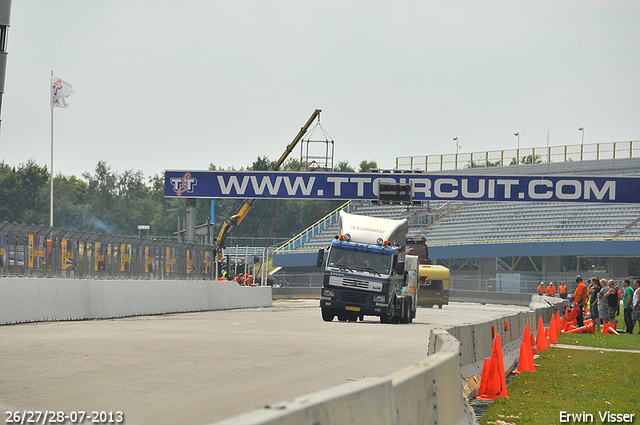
635, 314
580, 300
562, 289
613, 302
627, 306
541, 289
594, 290
602, 302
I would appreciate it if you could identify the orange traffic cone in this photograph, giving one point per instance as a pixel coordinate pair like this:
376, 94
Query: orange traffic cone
609, 328
586, 329
495, 380
541, 340
482, 389
534, 348
553, 336
525, 360
558, 323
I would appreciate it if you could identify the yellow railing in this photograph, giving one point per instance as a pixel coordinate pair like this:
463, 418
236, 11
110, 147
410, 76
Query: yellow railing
497, 158
314, 229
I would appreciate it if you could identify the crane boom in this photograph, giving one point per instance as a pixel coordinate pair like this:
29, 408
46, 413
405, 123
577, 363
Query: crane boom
237, 218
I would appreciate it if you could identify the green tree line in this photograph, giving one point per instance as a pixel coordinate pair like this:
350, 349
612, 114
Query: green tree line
105, 201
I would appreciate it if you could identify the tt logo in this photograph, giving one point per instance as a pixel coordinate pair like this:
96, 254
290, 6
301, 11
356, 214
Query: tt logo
184, 184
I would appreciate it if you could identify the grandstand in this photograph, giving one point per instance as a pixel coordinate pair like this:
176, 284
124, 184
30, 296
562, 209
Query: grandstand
480, 241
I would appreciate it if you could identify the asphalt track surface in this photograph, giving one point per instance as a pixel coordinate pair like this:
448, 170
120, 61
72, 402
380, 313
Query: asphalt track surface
198, 368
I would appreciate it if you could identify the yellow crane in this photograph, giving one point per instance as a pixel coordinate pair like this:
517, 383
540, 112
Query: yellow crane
242, 212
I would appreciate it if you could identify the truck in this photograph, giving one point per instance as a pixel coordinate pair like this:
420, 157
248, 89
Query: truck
433, 286
367, 271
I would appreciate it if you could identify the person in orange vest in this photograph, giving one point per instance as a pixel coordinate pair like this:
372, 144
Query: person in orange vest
579, 300
594, 312
541, 288
551, 290
562, 289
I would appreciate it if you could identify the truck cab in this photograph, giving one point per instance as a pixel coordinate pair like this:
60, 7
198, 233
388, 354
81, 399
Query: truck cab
367, 271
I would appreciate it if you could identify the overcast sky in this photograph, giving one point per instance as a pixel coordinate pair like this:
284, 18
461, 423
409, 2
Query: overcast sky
178, 85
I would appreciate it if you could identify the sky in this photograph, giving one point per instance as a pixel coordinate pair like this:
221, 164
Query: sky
179, 85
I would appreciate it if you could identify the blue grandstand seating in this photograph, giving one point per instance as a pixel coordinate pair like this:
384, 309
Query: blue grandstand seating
459, 223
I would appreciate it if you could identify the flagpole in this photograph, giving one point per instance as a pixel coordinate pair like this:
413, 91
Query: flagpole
51, 192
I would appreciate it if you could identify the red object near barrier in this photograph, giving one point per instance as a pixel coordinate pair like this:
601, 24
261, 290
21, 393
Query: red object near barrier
541, 339
495, 383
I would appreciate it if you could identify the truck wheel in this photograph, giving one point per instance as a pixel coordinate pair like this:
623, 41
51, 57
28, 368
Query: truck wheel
327, 314
440, 306
406, 312
385, 318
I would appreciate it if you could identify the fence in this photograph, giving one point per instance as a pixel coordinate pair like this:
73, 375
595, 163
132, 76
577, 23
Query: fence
38, 251
498, 158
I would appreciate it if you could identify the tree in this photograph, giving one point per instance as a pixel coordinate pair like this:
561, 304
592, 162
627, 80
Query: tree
261, 164
344, 167
366, 166
70, 204
23, 200
291, 164
527, 160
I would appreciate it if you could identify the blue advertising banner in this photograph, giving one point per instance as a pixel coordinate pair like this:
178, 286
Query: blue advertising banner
424, 187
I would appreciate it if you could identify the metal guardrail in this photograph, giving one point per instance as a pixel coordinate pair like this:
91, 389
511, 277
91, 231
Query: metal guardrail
505, 157
39, 251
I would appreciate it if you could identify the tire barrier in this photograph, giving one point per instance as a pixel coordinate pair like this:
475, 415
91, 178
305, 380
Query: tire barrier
39, 300
429, 392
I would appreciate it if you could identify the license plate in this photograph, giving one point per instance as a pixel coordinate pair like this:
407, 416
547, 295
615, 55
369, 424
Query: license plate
353, 308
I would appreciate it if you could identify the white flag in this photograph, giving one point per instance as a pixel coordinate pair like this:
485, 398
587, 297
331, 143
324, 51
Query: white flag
60, 90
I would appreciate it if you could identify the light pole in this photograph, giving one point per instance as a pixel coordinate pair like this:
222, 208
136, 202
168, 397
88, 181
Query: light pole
581, 129
455, 139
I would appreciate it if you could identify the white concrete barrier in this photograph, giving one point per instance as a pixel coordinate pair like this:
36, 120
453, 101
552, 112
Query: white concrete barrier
363, 402
429, 392
37, 300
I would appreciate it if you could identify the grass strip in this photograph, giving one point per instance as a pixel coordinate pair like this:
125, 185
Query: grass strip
576, 382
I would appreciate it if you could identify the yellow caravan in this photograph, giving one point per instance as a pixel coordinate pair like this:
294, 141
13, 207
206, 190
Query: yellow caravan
433, 286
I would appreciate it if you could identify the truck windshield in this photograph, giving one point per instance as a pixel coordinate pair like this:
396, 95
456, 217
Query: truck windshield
374, 262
